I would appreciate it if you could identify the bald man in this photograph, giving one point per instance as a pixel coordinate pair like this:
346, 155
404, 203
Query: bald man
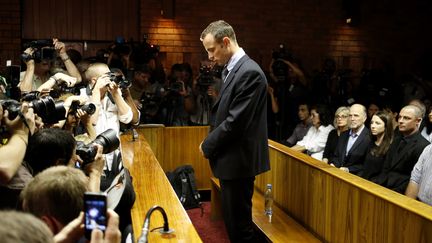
404, 151
353, 144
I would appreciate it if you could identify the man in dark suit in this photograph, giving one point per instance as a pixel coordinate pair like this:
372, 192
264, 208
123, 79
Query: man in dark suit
353, 144
404, 151
237, 145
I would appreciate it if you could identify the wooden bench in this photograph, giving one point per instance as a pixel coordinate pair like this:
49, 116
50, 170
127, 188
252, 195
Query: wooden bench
282, 228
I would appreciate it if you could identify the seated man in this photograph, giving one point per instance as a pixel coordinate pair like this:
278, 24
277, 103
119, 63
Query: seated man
302, 127
404, 151
419, 185
353, 144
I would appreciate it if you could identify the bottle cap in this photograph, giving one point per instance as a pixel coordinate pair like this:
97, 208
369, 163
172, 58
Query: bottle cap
269, 185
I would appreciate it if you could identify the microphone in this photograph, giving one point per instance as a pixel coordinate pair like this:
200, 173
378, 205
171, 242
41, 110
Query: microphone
134, 134
145, 230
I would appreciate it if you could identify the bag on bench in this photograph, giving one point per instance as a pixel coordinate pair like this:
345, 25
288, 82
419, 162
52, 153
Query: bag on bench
182, 180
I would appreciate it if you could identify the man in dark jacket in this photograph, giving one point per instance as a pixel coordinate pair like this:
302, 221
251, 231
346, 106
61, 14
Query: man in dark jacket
237, 145
404, 151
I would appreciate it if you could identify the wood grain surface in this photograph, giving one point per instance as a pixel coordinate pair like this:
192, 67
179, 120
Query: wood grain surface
153, 188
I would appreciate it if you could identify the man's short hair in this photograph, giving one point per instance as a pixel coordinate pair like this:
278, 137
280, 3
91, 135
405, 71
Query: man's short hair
95, 70
420, 105
49, 146
18, 227
219, 29
417, 110
58, 192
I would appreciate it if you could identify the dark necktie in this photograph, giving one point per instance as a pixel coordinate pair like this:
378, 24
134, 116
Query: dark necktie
224, 73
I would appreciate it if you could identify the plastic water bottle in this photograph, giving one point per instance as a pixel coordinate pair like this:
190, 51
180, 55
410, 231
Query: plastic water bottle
268, 203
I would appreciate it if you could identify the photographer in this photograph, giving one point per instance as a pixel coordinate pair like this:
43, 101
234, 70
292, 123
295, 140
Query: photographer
39, 65
78, 120
176, 92
205, 89
120, 55
291, 86
13, 171
125, 85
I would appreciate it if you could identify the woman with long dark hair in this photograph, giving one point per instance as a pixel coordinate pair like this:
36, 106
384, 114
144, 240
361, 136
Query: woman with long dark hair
382, 136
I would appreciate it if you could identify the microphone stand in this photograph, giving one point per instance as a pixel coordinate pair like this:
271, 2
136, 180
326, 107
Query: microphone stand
145, 230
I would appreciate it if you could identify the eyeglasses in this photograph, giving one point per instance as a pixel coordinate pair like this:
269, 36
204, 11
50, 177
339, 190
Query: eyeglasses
341, 117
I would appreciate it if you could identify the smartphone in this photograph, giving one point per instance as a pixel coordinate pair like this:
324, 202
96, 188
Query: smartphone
95, 210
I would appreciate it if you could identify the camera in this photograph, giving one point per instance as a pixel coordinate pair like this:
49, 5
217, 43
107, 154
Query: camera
43, 50
207, 75
89, 108
108, 140
281, 53
120, 47
120, 80
150, 104
12, 106
45, 107
62, 88
144, 52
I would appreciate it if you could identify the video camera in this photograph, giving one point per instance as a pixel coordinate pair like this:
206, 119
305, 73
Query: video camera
45, 107
207, 75
120, 47
43, 50
150, 104
281, 53
108, 140
144, 52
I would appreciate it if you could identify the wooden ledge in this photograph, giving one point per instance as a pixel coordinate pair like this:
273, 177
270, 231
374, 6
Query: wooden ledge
282, 228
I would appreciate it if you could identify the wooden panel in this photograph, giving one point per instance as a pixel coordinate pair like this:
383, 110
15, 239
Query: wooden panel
334, 205
175, 146
80, 20
153, 188
340, 207
181, 147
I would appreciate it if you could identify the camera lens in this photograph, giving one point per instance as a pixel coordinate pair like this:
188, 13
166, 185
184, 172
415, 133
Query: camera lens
89, 108
50, 111
108, 140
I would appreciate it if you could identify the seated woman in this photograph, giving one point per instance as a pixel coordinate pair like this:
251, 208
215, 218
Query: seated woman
341, 122
382, 134
315, 140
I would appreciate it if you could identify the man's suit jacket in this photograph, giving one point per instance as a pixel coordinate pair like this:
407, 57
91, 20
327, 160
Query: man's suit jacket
398, 165
237, 144
354, 159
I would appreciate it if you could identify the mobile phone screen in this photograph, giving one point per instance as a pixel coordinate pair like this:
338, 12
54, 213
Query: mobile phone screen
95, 207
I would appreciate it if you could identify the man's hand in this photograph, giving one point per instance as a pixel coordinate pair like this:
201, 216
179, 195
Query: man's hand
59, 46
112, 232
29, 51
72, 232
69, 80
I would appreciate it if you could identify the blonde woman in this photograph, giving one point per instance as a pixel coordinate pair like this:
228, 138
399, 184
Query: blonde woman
341, 123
